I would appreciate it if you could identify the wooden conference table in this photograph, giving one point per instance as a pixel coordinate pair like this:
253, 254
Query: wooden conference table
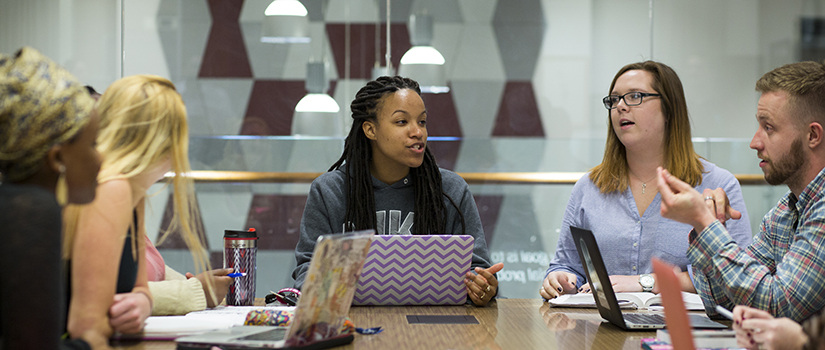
504, 324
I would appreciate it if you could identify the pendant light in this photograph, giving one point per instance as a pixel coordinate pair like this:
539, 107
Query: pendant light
423, 62
316, 113
285, 21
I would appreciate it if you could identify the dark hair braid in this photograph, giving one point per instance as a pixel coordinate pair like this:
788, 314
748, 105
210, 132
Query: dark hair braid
430, 213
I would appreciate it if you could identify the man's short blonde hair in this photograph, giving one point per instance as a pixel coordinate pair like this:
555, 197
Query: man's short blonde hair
804, 82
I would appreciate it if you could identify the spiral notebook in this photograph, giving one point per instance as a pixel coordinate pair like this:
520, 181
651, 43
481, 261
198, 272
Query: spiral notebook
319, 316
415, 270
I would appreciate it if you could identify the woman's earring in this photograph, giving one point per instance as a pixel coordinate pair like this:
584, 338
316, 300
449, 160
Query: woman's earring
61, 191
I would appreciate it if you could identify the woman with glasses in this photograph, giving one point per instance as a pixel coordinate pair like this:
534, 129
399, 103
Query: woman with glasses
648, 127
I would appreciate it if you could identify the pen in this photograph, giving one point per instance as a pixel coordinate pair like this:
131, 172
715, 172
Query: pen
724, 312
237, 274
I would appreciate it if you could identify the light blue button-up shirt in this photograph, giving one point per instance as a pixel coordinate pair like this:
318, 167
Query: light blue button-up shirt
627, 241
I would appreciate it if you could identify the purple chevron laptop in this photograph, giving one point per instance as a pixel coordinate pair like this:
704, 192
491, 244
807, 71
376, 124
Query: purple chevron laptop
415, 270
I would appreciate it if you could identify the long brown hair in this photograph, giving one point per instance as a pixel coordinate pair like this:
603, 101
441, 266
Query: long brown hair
680, 158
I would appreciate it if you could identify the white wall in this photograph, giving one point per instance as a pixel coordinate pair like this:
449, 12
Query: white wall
718, 48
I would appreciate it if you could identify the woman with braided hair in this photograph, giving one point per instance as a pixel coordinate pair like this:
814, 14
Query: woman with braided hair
47, 160
387, 180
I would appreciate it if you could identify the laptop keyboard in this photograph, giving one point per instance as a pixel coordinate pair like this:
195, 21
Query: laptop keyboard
274, 334
696, 321
644, 318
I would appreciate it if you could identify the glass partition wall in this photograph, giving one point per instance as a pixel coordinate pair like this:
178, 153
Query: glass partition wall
525, 79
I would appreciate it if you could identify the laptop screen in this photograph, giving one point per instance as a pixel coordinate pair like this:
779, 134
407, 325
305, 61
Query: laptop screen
596, 274
594, 280
321, 310
329, 286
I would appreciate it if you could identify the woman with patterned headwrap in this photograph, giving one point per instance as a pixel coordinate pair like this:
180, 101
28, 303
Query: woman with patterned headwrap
47, 159
143, 135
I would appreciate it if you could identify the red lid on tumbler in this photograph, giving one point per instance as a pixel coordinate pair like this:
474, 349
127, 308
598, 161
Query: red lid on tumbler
235, 234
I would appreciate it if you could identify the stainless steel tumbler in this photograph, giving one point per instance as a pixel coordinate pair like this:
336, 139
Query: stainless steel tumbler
239, 251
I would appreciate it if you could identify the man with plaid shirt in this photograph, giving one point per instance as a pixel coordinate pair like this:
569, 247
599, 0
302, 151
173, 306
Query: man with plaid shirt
783, 271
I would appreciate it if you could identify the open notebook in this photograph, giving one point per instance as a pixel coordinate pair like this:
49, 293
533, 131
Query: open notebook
637, 300
320, 313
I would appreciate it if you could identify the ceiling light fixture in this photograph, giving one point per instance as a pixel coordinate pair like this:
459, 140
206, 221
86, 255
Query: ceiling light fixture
316, 113
285, 21
422, 62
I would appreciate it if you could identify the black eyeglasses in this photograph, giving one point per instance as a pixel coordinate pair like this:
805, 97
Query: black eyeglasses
631, 99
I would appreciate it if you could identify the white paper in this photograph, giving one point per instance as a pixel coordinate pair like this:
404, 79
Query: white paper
221, 317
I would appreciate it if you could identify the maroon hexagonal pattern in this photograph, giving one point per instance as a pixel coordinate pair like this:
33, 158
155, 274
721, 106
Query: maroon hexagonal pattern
518, 113
225, 55
362, 47
489, 207
174, 240
271, 106
445, 152
442, 118
277, 219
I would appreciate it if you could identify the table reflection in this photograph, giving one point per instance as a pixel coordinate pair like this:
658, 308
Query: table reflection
585, 329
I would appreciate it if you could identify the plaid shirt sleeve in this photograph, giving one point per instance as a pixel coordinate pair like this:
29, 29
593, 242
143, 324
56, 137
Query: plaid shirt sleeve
782, 272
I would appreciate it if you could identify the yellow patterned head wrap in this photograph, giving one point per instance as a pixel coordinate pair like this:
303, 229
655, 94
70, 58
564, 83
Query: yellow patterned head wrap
41, 105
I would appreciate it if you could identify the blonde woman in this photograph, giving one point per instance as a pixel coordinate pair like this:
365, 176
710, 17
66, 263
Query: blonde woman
143, 134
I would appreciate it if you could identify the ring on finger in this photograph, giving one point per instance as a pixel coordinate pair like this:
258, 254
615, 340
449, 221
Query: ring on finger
488, 289
709, 198
482, 296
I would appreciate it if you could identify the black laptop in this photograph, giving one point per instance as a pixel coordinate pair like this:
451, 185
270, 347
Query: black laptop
596, 274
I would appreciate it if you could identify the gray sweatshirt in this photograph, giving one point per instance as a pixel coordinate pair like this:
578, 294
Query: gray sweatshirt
394, 205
